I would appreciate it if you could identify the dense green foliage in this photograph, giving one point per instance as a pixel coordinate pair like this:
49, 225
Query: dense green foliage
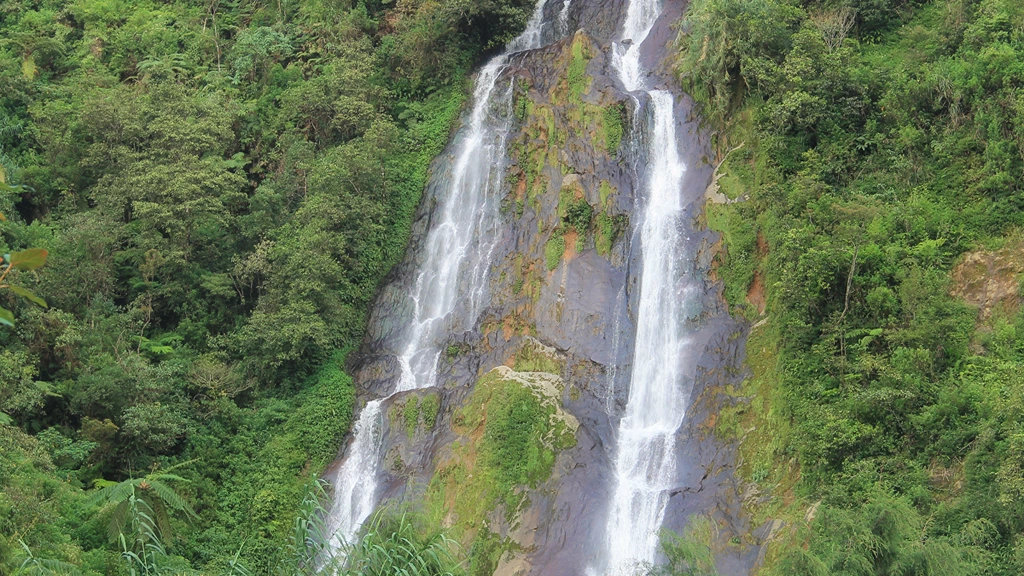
511, 430
521, 437
516, 421
686, 554
880, 141
402, 544
221, 188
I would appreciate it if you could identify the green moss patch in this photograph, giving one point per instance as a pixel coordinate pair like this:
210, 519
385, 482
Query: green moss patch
411, 415
739, 257
576, 79
553, 250
523, 428
415, 412
429, 407
605, 191
515, 427
609, 229
536, 357
612, 127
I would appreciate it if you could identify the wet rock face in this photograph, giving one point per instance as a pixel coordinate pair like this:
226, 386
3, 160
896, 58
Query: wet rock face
558, 315
601, 19
559, 328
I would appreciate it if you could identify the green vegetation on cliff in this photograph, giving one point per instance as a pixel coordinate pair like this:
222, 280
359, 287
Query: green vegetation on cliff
879, 150
221, 188
512, 428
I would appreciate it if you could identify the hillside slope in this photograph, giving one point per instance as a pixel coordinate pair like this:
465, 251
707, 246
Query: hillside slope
869, 200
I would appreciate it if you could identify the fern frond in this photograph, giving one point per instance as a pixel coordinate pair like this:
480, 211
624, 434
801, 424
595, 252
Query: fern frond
163, 521
118, 520
164, 474
170, 497
112, 491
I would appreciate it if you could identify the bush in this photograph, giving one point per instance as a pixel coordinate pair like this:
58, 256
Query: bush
325, 413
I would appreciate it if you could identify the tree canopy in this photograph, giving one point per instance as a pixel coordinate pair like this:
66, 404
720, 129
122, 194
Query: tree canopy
220, 187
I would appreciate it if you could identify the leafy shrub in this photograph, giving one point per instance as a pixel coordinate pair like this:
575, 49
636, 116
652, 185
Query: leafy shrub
326, 412
612, 124
429, 407
578, 214
553, 250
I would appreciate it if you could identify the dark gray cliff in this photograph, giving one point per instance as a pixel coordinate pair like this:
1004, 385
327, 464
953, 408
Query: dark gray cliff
563, 291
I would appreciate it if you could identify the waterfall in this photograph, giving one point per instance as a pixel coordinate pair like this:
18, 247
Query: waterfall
451, 280
645, 468
350, 502
563, 17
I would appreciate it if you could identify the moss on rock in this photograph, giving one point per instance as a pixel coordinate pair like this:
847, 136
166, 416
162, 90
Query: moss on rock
577, 80
514, 426
612, 127
533, 356
429, 407
411, 415
553, 250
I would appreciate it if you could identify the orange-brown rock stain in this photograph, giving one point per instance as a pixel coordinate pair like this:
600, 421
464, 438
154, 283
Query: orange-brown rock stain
756, 292
991, 280
571, 237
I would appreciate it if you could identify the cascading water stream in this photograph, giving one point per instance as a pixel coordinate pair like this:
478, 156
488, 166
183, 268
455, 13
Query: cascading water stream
645, 467
451, 280
563, 17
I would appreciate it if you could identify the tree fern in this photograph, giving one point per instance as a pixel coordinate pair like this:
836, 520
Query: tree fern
152, 490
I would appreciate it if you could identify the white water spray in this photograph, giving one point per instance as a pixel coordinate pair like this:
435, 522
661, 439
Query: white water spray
350, 501
645, 467
451, 281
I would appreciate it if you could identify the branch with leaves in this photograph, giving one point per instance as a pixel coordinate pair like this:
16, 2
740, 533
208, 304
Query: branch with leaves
26, 260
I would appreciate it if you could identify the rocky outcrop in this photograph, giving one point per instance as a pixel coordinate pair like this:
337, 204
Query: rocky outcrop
991, 280
558, 330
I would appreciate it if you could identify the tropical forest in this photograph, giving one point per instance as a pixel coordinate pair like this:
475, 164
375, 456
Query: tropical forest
512, 287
